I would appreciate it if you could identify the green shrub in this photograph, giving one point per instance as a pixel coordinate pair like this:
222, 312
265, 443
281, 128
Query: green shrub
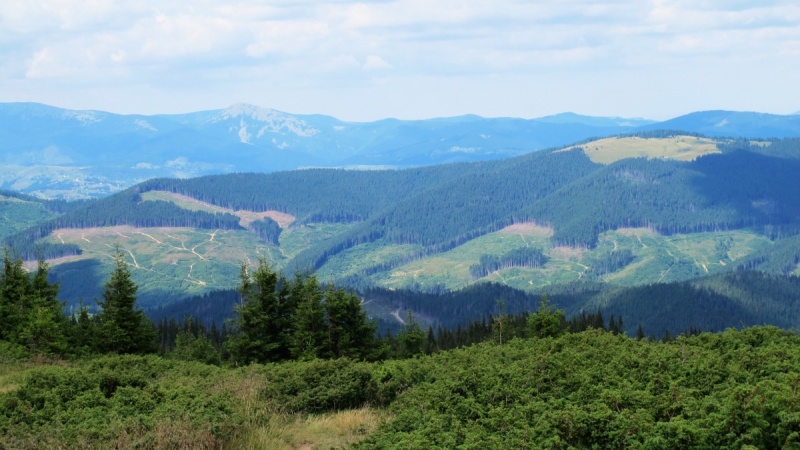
320, 385
119, 401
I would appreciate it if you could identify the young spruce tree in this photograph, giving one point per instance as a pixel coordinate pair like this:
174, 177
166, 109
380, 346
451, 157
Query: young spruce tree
260, 321
124, 329
309, 337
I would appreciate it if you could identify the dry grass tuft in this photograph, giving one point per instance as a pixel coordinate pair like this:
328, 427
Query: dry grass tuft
293, 432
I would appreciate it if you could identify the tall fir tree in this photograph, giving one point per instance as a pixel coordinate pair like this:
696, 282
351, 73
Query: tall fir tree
15, 290
125, 329
546, 321
309, 337
46, 328
84, 337
411, 339
350, 333
260, 320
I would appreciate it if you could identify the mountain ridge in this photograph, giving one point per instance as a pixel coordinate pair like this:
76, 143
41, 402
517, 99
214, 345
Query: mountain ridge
104, 152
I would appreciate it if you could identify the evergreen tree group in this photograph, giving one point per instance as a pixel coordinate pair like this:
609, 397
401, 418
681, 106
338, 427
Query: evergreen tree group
33, 322
31, 316
280, 319
124, 328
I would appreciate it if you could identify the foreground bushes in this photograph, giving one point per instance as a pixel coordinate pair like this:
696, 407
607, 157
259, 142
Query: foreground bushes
120, 401
597, 390
737, 389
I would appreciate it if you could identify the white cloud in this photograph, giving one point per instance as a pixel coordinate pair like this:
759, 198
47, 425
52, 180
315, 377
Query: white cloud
374, 62
173, 56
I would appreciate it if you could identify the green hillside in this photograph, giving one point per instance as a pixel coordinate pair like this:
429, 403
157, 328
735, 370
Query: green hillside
17, 214
20, 211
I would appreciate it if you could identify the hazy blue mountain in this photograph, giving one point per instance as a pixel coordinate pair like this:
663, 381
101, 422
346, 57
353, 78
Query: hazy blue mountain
733, 124
569, 117
57, 152
62, 153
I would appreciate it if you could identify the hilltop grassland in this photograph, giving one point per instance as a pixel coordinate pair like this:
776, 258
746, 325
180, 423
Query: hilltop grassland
680, 148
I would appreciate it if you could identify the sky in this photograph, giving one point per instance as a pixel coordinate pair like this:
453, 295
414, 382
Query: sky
407, 59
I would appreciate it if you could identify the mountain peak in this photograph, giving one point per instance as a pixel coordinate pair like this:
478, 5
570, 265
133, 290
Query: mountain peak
263, 120
572, 118
248, 110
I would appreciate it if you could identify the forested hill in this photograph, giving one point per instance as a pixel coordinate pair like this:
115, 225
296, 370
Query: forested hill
440, 207
713, 303
691, 207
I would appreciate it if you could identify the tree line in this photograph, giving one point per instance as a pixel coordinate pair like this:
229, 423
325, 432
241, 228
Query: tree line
274, 319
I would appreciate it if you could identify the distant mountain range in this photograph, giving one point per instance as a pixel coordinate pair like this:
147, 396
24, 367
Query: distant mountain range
60, 153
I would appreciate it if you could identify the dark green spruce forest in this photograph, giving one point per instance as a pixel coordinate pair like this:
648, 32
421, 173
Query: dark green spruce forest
705, 354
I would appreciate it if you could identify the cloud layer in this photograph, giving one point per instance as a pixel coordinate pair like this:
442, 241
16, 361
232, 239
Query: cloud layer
405, 58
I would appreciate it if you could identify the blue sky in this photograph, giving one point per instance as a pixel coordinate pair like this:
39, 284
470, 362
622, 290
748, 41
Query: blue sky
406, 58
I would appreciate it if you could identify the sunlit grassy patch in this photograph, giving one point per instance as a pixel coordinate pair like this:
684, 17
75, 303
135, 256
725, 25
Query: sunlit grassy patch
319, 431
681, 148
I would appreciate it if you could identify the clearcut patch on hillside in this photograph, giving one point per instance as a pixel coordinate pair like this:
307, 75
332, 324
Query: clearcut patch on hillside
192, 204
681, 148
626, 257
528, 228
168, 263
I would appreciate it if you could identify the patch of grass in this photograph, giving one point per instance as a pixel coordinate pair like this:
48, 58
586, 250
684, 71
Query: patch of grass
679, 257
451, 269
11, 374
302, 237
317, 431
681, 148
182, 201
245, 217
13, 371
